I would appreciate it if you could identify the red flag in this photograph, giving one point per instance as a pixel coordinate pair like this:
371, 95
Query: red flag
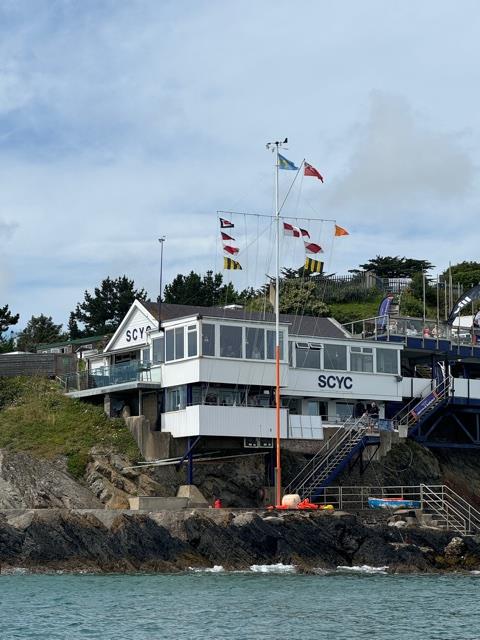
231, 250
311, 247
296, 232
226, 224
340, 231
225, 236
311, 171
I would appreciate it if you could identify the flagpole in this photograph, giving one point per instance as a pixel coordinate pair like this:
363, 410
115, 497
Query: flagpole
161, 240
278, 469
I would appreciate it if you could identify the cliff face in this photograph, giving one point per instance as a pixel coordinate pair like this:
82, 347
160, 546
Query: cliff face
172, 541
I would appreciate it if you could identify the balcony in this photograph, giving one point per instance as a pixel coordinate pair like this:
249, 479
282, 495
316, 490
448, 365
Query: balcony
114, 375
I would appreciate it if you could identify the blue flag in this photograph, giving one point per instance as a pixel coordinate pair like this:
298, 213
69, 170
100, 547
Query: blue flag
283, 163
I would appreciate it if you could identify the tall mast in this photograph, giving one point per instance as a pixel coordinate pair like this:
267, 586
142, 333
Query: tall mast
159, 302
278, 470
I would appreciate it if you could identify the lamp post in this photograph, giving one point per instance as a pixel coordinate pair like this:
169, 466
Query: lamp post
161, 240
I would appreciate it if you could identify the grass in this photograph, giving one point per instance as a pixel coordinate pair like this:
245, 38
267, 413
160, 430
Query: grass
350, 311
37, 418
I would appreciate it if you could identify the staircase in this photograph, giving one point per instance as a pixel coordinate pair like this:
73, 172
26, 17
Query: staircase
330, 460
412, 415
449, 510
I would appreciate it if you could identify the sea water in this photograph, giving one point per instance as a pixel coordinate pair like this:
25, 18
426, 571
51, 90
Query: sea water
265, 602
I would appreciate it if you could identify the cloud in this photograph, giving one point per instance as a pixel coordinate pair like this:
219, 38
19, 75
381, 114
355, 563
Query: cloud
399, 161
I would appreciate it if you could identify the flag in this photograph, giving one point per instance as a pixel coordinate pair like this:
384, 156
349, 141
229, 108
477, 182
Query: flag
340, 231
311, 171
311, 247
283, 163
296, 232
229, 263
226, 224
225, 236
313, 266
229, 249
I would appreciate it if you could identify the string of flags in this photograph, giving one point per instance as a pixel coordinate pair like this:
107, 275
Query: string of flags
228, 248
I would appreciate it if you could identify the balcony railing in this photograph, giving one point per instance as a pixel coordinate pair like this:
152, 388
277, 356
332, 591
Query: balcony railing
106, 376
384, 327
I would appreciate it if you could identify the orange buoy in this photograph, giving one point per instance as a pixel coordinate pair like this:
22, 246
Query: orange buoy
217, 504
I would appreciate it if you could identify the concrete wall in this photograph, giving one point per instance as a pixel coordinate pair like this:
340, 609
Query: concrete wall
154, 445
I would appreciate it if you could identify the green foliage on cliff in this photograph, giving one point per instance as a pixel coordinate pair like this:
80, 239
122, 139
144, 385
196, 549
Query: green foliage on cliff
37, 418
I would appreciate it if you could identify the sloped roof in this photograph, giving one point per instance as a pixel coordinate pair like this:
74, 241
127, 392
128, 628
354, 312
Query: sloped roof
299, 325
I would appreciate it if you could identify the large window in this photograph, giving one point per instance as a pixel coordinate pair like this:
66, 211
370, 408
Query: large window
271, 345
361, 359
387, 361
158, 350
192, 340
176, 398
230, 341
174, 344
255, 343
208, 339
308, 355
335, 357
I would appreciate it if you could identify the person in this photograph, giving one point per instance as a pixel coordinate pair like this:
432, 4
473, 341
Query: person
358, 409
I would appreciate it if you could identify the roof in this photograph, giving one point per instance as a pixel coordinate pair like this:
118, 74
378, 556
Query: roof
77, 341
299, 325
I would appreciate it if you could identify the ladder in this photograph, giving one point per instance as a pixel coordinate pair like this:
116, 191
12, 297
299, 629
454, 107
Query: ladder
416, 411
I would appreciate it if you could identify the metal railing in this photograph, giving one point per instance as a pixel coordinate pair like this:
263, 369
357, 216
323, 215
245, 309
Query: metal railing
452, 511
333, 452
456, 512
106, 376
411, 413
386, 327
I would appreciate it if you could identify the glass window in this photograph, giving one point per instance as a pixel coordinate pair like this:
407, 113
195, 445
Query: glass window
230, 341
176, 398
344, 410
146, 355
179, 343
158, 346
192, 341
335, 357
361, 359
308, 358
387, 361
312, 408
208, 339
169, 345
271, 345
255, 343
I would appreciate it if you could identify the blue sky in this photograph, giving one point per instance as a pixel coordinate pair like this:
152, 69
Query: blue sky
121, 121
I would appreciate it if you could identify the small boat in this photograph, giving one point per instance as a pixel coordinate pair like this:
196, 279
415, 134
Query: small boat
393, 503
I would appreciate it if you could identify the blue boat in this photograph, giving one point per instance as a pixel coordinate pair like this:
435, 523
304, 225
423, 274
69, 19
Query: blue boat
393, 503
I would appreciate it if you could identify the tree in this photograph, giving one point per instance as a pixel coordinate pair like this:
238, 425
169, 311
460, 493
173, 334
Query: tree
301, 298
102, 311
395, 267
466, 273
39, 329
73, 328
7, 319
206, 291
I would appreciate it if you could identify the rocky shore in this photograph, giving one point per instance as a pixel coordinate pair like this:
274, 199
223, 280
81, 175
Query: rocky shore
100, 540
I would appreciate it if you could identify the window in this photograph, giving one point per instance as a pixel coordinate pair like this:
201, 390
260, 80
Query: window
255, 343
230, 341
179, 345
308, 355
174, 344
387, 361
176, 398
158, 347
271, 345
208, 339
335, 357
146, 355
192, 340
361, 359
344, 410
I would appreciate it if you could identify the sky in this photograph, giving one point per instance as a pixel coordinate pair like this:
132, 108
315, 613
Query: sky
125, 120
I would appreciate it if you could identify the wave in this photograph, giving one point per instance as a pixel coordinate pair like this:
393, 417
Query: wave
215, 569
364, 568
273, 568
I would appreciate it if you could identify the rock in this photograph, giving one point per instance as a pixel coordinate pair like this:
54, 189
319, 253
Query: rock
399, 524
26, 481
455, 549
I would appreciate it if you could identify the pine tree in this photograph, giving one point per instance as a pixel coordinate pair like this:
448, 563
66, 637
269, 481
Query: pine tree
40, 329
